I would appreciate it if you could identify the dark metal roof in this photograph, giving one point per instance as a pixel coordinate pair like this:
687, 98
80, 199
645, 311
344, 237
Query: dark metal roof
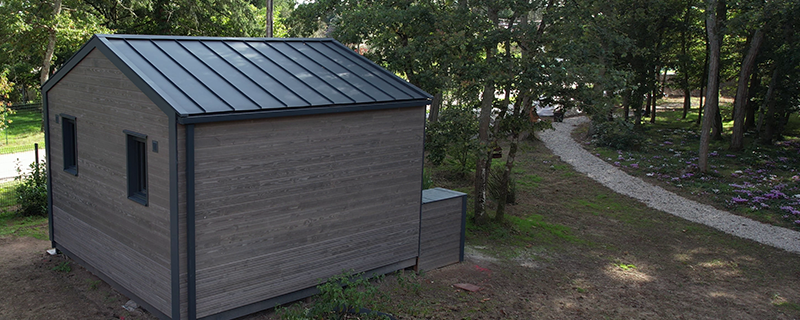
209, 79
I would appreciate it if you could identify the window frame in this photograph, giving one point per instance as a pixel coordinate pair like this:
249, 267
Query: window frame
69, 143
136, 154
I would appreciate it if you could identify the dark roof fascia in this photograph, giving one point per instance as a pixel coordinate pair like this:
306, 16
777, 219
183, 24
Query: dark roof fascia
99, 42
196, 38
291, 112
127, 69
71, 63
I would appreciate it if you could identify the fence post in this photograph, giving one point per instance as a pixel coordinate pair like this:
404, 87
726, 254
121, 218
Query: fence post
36, 148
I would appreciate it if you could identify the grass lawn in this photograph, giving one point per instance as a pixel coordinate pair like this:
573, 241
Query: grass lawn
573, 249
23, 132
570, 249
759, 182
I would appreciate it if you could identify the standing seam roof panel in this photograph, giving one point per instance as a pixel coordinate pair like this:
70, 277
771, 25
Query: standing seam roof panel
212, 81
402, 84
317, 68
244, 85
182, 79
261, 78
344, 74
180, 101
381, 81
277, 72
310, 80
235, 96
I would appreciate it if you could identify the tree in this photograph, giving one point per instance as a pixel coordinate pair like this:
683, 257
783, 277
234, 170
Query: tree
713, 26
38, 35
742, 93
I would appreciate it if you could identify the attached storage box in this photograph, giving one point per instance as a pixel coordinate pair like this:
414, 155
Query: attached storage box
443, 229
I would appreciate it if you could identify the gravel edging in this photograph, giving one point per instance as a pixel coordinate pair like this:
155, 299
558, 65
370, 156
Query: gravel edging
561, 143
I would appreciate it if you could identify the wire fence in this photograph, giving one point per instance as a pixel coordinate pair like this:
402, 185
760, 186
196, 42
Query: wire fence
13, 168
23, 129
19, 142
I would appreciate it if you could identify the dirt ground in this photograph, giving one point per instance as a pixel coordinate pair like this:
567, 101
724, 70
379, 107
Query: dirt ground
36, 285
591, 254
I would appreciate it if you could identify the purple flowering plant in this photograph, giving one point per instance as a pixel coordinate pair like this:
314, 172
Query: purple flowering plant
765, 179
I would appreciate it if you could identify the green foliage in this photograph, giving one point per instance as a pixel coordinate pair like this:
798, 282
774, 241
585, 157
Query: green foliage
32, 190
618, 134
338, 295
14, 225
427, 180
62, 267
453, 138
496, 184
5, 89
25, 26
23, 132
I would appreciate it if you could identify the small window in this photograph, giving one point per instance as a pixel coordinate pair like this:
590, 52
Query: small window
137, 166
70, 144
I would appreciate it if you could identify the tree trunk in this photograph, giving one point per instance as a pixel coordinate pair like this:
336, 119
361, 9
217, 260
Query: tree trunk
687, 101
269, 15
752, 107
765, 120
482, 163
704, 81
687, 88
712, 94
436, 105
742, 94
700, 105
523, 104
44, 74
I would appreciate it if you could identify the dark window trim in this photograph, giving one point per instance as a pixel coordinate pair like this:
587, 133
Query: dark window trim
69, 139
136, 145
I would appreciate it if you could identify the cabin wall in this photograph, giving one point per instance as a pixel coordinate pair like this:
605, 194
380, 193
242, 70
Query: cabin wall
442, 228
282, 203
92, 215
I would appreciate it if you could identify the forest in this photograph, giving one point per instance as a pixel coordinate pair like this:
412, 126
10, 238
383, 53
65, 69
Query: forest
487, 63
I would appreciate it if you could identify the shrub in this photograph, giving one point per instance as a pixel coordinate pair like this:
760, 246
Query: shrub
31, 193
496, 184
618, 134
453, 138
341, 295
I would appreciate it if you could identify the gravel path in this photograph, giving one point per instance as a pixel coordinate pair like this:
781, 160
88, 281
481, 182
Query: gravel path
562, 145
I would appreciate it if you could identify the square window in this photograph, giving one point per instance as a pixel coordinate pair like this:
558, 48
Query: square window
69, 134
137, 166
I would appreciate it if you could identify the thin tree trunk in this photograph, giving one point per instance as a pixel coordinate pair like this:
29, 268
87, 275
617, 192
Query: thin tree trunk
742, 94
484, 153
44, 74
700, 105
436, 105
712, 95
687, 101
765, 120
269, 15
703, 81
752, 107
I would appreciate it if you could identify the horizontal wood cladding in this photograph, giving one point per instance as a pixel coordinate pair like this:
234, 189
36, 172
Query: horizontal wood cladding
93, 216
282, 203
150, 282
440, 233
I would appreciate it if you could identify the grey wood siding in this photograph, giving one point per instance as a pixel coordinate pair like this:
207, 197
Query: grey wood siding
441, 228
284, 202
92, 216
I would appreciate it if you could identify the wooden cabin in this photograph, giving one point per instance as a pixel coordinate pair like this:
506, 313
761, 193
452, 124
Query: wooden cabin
210, 178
